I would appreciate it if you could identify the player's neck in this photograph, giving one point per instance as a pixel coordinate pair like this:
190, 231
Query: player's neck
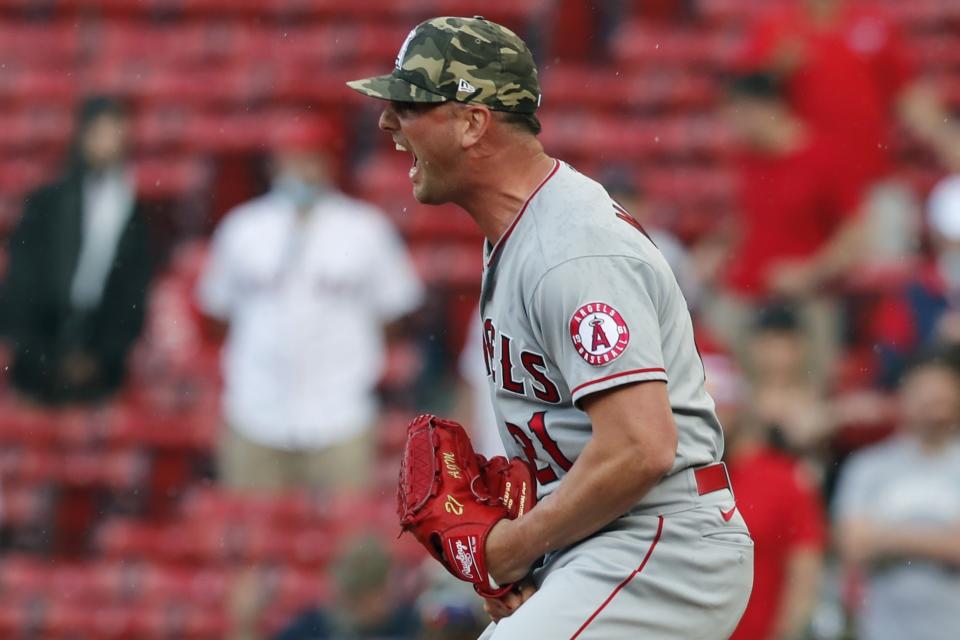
502, 184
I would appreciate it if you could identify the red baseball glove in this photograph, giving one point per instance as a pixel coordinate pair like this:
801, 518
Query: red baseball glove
450, 497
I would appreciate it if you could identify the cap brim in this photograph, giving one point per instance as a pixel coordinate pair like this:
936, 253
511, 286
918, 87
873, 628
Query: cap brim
390, 87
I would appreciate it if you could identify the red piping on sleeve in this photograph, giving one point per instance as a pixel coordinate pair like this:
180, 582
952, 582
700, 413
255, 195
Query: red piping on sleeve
617, 375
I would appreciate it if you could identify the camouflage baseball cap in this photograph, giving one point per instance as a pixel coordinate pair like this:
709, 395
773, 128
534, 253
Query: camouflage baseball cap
462, 59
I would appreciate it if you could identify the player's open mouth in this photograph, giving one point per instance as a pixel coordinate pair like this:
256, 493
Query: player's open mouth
415, 167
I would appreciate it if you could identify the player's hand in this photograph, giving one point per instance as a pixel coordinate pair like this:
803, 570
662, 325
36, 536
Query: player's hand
502, 607
505, 561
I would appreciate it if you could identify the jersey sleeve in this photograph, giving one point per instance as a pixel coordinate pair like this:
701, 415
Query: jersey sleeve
217, 288
598, 320
395, 285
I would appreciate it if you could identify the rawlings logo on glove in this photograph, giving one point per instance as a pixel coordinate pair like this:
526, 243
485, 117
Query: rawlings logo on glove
450, 497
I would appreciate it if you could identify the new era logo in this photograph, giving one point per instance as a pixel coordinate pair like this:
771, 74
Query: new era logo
465, 87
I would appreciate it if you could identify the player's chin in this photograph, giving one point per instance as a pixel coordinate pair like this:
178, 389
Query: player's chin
425, 195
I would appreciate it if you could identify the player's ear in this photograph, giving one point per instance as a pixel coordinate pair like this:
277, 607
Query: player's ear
473, 123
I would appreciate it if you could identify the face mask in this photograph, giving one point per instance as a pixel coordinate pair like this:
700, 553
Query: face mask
300, 194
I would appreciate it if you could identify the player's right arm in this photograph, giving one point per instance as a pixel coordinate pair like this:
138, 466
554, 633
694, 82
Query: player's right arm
634, 437
634, 444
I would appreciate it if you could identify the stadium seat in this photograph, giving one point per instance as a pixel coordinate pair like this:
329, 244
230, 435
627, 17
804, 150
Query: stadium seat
638, 45
19, 177
25, 504
290, 509
52, 44
455, 266
166, 179
589, 88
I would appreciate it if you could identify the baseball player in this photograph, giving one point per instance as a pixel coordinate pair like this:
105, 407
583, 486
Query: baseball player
590, 355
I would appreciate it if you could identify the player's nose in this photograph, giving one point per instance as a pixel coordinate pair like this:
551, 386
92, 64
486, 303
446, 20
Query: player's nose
388, 119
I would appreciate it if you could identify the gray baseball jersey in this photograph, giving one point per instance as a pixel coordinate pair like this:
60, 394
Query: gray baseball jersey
577, 299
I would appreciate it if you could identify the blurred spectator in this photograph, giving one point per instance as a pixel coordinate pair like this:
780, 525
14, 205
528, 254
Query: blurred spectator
922, 310
780, 503
787, 399
79, 268
897, 512
944, 222
449, 609
848, 73
798, 227
307, 281
364, 604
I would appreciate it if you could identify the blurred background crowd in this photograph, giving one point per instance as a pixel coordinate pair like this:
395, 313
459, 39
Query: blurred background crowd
221, 304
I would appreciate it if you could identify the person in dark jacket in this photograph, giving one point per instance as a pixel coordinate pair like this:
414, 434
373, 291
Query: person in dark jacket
79, 269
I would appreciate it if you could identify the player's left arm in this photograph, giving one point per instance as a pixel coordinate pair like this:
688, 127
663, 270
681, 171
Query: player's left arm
633, 445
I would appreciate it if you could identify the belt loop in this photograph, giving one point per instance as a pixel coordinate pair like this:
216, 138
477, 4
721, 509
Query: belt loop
726, 472
691, 478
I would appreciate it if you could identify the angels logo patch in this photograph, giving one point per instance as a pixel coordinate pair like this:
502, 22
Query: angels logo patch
599, 333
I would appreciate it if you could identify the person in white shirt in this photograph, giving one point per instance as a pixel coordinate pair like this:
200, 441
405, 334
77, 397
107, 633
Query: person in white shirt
307, 280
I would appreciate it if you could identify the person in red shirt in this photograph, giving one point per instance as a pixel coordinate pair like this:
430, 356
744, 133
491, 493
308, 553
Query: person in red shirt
782, 506
798, 227
799, 223
849, 74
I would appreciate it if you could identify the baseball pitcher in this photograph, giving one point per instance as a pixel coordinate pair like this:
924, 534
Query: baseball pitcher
614, 518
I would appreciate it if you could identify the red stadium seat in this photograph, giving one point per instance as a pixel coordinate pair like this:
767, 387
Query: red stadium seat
291, 509
117, 469
26, 425
56, 43
588, 87
689, 187
160, 179
57, 447
735, 12
25, 504
638, 45
19, 177
456, 266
